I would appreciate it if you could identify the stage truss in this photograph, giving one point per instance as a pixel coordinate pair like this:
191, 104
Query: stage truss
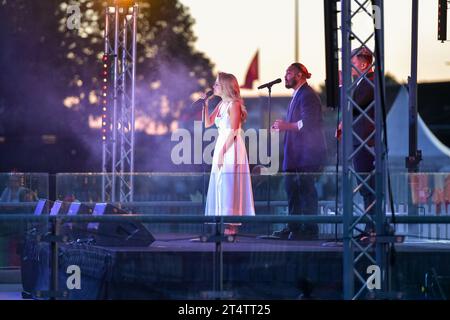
119, 102
356, 15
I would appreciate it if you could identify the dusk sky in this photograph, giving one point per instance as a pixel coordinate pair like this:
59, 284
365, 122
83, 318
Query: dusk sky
230, 32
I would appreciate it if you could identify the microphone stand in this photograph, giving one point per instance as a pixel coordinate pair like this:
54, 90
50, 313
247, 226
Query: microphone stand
203, 162
269, 151
210, 93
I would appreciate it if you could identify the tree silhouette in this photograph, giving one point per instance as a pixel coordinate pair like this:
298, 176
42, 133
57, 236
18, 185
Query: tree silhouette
49, 83
169, 69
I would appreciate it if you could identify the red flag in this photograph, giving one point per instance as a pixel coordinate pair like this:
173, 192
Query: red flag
252, 73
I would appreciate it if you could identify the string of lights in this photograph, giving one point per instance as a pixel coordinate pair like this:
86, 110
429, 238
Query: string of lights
104, 96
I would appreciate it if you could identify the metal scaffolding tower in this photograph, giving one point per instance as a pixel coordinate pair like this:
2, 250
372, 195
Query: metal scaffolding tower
362, 25
119, 101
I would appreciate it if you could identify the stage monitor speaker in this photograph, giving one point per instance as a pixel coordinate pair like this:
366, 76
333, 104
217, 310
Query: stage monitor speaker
118, 234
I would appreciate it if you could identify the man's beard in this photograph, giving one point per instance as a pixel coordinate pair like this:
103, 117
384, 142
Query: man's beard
290, 85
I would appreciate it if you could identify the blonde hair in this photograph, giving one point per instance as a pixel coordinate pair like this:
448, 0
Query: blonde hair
231, 91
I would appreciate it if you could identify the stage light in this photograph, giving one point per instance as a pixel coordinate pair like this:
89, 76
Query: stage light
442, 20
105, 88
331, 53
124, 3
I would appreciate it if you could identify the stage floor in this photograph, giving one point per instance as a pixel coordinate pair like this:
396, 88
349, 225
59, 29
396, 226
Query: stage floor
176, 242
180, 266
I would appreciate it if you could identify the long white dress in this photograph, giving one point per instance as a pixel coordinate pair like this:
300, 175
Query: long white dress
230, 188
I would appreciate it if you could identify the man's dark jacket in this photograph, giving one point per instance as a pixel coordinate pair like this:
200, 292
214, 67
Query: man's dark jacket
305, 148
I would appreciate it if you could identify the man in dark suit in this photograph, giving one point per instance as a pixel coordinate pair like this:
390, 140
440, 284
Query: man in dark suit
304, 152
363, 126
364, 160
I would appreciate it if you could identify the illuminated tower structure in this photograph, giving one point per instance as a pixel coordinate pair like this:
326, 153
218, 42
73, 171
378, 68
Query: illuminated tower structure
118, 101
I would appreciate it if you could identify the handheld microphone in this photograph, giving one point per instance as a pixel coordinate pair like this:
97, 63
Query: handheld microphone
202, 101
269, 84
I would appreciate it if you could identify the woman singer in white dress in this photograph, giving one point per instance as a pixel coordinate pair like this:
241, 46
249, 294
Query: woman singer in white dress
230, 188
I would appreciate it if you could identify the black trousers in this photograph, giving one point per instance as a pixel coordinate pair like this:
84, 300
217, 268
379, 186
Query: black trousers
302, 197
363, 161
